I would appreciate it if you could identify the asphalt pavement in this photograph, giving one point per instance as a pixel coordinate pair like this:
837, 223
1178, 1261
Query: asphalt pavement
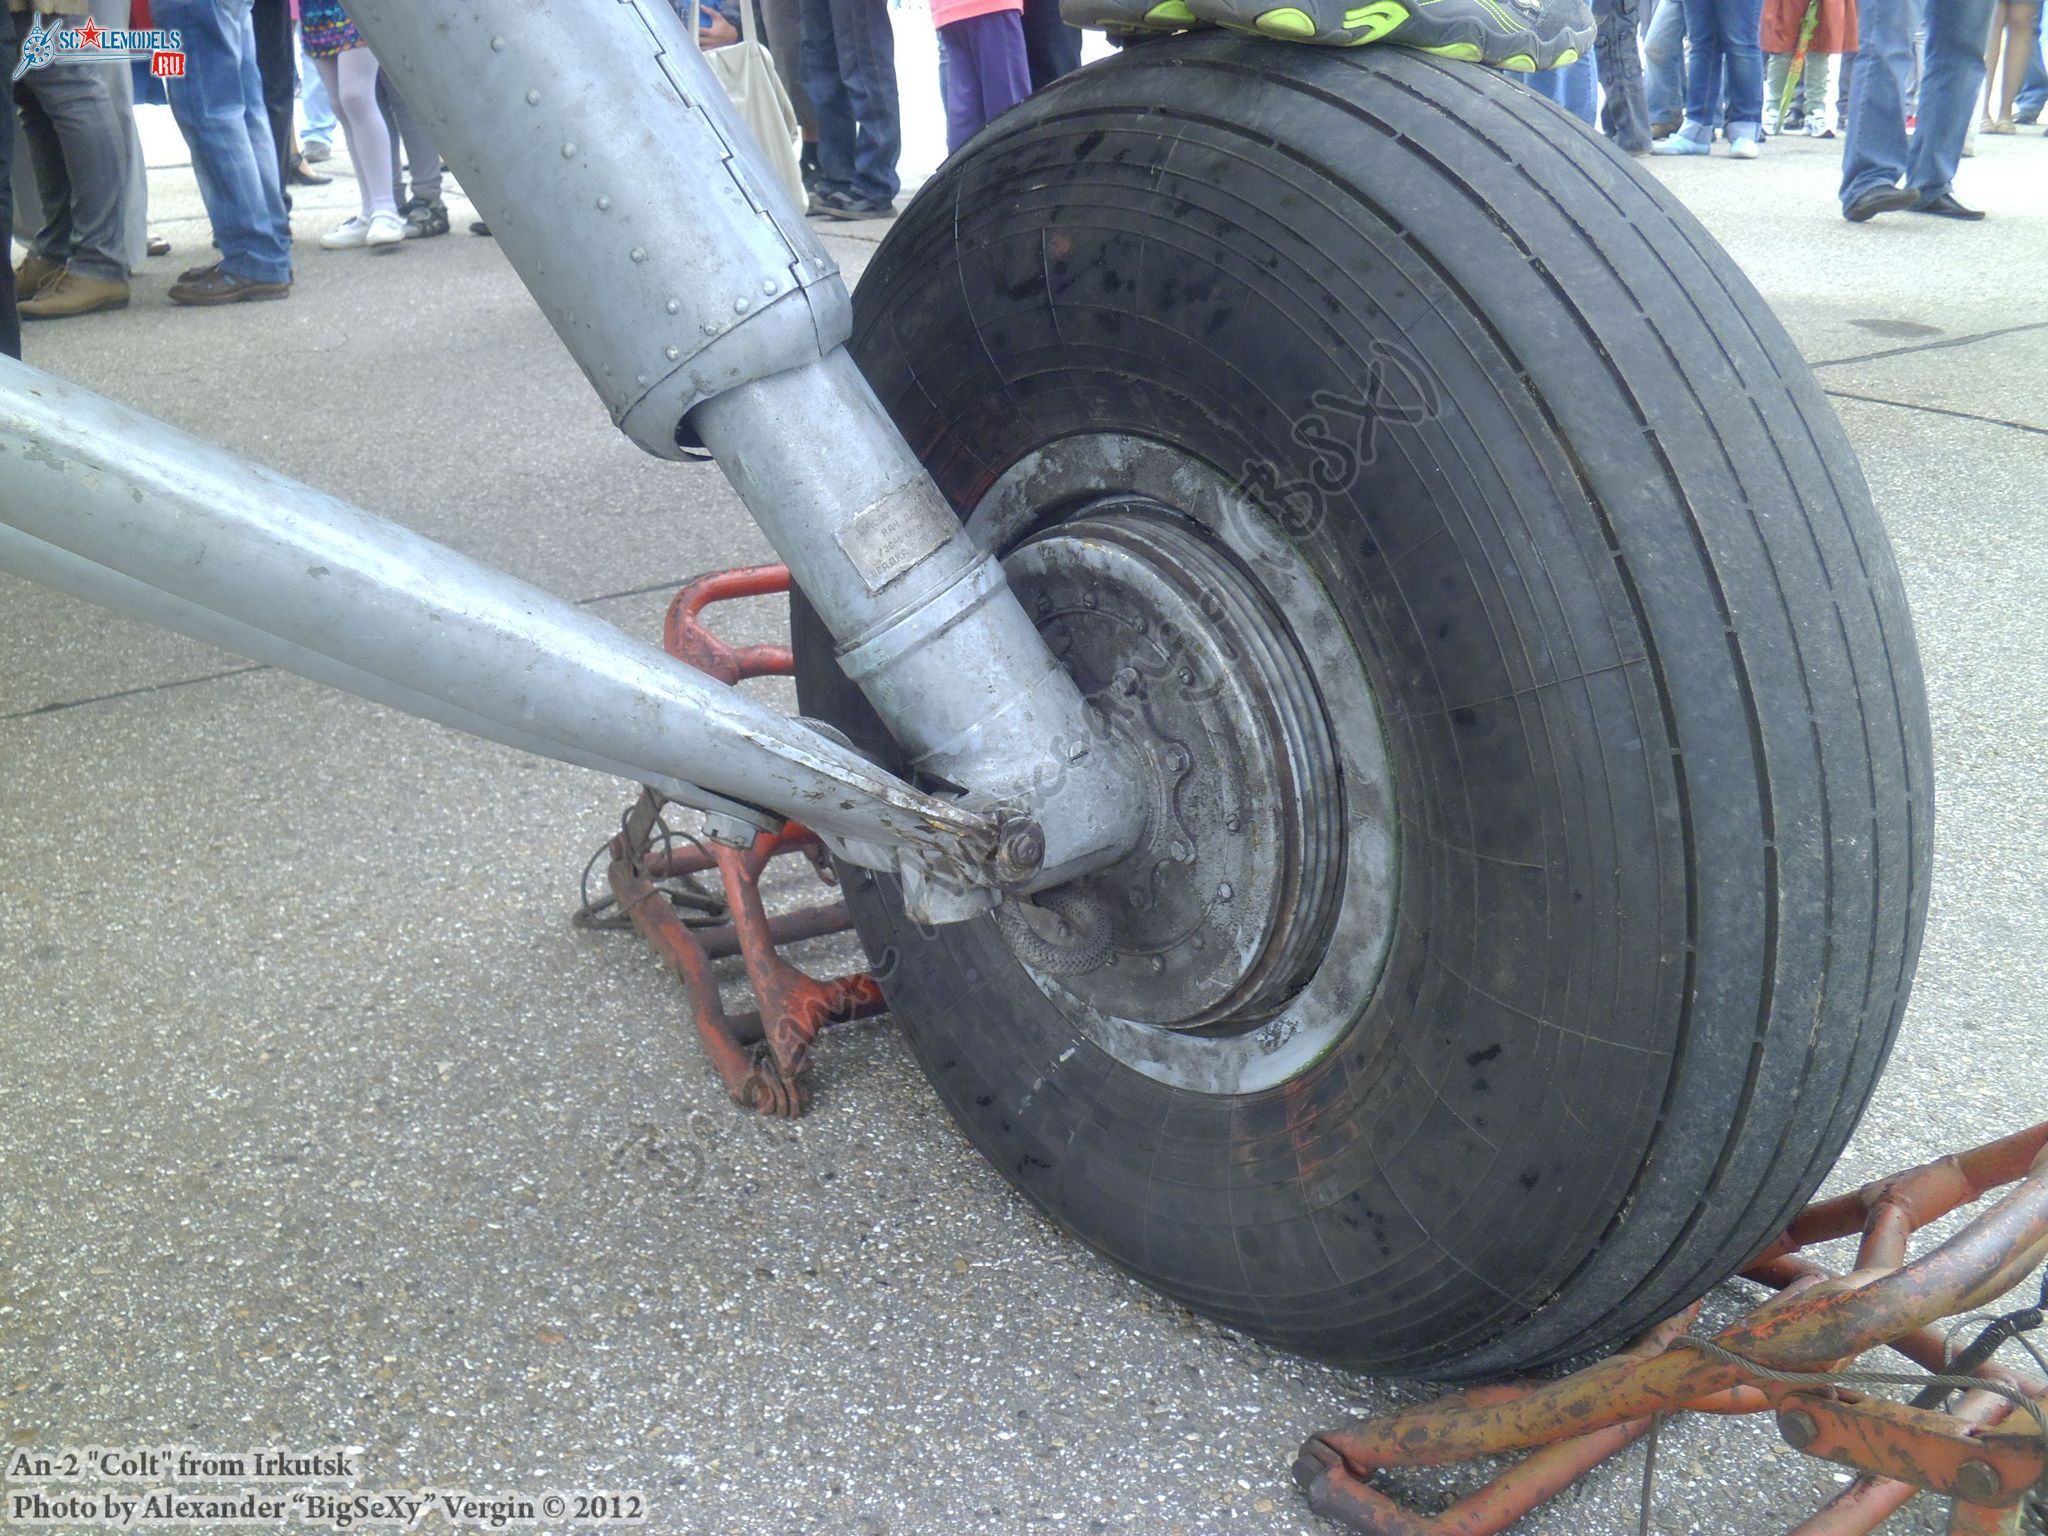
320, 1125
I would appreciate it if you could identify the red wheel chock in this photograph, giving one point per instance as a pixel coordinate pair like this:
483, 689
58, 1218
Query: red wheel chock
760, 1055
1792, 1357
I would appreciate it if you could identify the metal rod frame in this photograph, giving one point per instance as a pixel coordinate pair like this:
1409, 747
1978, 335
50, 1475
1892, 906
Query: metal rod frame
761, 1056
1809, 1332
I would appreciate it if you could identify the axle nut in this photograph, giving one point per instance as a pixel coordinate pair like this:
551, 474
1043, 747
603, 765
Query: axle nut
1023, 849
1978, 1482
1798, 1428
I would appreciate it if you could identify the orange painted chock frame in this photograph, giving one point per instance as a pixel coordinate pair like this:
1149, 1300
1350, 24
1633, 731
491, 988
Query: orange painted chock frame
760, 1056
1784, 1358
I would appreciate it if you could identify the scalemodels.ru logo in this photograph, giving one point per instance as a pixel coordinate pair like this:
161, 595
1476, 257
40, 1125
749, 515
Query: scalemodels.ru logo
46, 43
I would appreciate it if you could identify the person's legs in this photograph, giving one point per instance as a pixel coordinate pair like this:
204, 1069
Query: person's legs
1051, 47
1777, 70
81, 162
351, 80
959, 84
50, 243
2022, 33
2033, 94
219, 108
1625, 114
422, 152
1742, 58
1874, 150
783, 22
1949, 85
321, 124
867, 62
1664, 63
277, 69
1702, 70
829, 100
1823, 106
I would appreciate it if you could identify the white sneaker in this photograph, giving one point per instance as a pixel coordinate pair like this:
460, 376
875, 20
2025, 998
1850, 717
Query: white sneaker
1743, 148
385, 231
347, 236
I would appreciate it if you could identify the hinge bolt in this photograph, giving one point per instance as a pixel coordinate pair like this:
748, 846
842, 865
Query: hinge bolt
1978, 1482
1798, 1428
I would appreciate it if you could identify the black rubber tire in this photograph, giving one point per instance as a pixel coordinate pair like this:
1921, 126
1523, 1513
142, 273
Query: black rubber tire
1648, 679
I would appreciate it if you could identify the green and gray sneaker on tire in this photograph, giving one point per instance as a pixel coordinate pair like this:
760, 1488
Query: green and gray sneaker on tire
1507, 34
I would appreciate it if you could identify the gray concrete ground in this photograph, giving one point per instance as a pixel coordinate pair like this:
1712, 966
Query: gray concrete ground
321, 1125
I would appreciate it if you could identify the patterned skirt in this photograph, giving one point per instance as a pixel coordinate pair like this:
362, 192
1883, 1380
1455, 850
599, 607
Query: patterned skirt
326, 29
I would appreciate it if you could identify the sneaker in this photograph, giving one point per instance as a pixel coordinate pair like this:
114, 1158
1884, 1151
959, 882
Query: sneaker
386, 232
424, 219
1683, 143
824, 205
313, 151
1742, 147
1817, 128
1125, 16
1506, 34
1795, 120
347, 235
72, 294
35, 274
1773, 122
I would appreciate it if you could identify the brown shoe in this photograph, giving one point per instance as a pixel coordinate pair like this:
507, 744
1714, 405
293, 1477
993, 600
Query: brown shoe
193, 274
220, 286
35, 274
72, 295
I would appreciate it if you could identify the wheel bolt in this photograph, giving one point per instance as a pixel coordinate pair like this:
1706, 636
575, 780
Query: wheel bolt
1176, 759
1183, 850
1158, 963
1126, 680
1224, 892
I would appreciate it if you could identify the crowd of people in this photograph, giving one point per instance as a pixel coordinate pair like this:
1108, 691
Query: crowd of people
1907, 83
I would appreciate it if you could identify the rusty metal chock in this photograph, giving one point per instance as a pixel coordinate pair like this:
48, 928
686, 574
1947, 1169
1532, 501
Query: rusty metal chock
761, 1055
1793, 1357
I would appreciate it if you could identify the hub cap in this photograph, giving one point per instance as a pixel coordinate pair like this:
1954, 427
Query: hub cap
1251, 922
1224, 906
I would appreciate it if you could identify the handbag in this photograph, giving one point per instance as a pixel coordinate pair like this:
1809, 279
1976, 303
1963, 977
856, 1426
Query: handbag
747, 71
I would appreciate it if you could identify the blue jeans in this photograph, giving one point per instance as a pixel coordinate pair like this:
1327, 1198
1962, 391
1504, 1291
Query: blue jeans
849, 72
1876, 152
1723, 34
2033, 94
219, 108
1664, 62
320, 123
1576, 88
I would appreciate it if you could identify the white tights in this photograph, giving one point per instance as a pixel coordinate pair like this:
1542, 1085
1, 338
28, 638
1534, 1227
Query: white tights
351, 80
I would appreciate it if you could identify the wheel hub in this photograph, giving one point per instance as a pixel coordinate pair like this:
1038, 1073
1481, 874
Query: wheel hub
1223, 910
